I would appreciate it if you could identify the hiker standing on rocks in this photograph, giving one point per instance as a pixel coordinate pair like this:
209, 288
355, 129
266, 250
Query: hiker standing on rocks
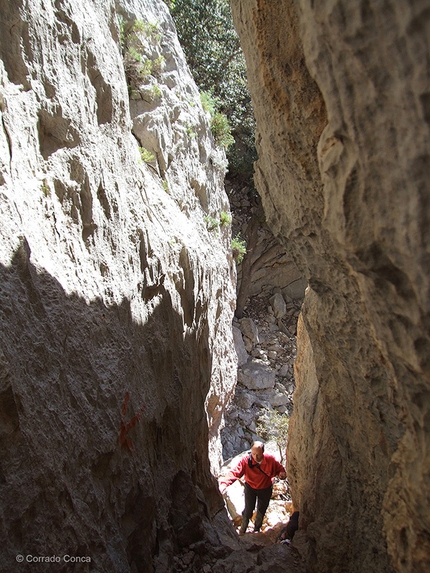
259, 470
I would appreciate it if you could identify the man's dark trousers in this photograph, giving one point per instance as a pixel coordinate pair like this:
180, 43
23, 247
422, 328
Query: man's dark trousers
263, 498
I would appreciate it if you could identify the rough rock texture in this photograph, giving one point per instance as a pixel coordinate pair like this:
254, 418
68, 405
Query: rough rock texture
341, 97
272, 353
270, 265
116, 302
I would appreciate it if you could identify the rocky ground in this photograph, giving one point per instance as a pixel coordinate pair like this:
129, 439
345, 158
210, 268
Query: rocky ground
266, 347
263, 552
255, 553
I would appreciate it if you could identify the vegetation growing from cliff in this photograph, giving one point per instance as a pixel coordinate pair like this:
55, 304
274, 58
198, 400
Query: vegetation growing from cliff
136, 38
206, 32
238, 247
205, 29
146, 155
219, 123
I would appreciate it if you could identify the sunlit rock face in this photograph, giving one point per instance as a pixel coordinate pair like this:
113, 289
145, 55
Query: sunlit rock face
116, 301
340, 91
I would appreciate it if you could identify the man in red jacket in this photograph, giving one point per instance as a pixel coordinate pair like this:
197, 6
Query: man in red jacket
259, 470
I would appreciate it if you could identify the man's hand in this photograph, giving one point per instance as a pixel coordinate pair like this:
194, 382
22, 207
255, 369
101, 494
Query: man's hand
282, 475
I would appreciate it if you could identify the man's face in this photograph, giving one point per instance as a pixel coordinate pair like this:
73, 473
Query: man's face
257, 454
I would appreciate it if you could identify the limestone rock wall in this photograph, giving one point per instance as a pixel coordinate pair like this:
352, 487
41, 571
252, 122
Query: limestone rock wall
116, 301
340, 92
269, 266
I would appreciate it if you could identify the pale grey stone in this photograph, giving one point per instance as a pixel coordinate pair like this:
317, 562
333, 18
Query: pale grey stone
284, 370
115, 301
247, 417
242, 355
278, 305
273, 397
244, 399
256, 376
249, 329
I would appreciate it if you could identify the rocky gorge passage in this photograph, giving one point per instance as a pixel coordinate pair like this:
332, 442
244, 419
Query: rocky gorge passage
116, 300
265, 343
265, 333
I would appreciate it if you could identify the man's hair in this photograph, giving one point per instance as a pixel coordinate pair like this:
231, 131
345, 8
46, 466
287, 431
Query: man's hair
258, 444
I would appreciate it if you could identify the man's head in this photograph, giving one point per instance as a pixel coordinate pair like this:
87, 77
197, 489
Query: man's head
257, 452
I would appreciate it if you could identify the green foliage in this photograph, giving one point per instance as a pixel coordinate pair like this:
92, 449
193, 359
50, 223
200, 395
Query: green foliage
273, 425
133, 54
170, 3
238, 246
146, 155
212, 48
121, 26
158, 65
221, 130
133, 94
134, 42
191, 130
211, 223
146, 29
219, 123
207, 33
155, 91
144, 70
224, 218
208, 102
138, 68
46, 190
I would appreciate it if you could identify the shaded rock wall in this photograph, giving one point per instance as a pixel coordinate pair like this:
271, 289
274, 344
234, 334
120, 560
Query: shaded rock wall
266, 265
340, 92
116, 302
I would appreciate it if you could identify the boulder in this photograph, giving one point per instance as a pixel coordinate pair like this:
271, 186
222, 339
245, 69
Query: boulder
279, 306
244, 399
235, 501
256, 376
272, 397
284, 370
249, 329
242, 355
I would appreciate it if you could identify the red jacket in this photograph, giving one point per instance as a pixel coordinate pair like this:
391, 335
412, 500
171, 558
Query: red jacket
254, 475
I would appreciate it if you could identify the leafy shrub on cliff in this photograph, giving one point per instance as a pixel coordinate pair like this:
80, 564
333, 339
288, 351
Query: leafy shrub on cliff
136, 39
208, 102
224, 218
205, 29
211, 223
221, 130
238, 246
220, 126
146, 155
